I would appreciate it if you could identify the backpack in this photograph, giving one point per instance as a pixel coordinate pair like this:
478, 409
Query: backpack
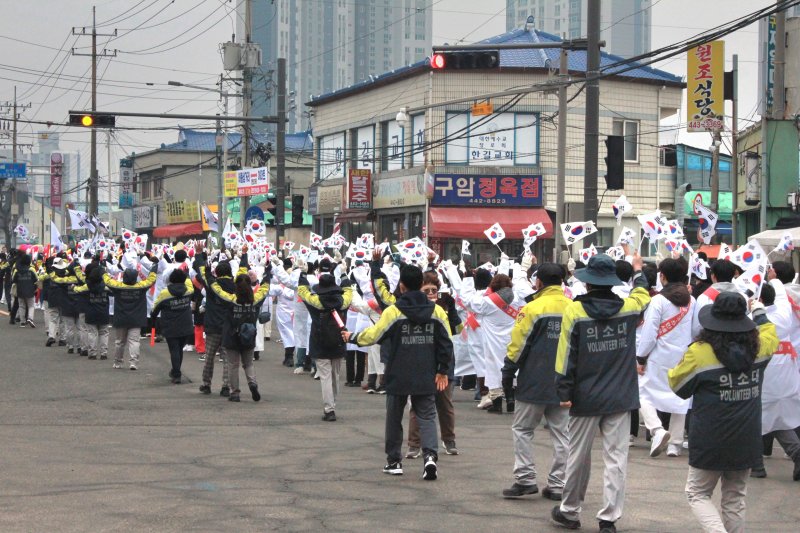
246, 334
328, 333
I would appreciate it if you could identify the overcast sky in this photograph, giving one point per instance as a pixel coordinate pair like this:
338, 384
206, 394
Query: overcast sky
36, 37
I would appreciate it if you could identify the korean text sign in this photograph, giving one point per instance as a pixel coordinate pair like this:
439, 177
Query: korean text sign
706, 87
488, 190
359, 190
247, 182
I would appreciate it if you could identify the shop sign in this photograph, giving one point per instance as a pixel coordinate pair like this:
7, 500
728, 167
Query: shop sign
247, 182
401, 191
488, 190
181, 211
359, 189
329, 199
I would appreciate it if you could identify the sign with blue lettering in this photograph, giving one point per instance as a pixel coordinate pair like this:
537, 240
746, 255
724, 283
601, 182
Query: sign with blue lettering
13, 170
488, 190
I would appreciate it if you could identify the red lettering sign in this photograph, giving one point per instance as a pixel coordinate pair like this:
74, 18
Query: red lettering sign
359, 189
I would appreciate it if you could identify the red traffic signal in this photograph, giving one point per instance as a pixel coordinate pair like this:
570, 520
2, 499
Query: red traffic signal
466, 60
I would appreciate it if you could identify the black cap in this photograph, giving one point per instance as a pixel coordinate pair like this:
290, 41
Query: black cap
727, 314
550, 274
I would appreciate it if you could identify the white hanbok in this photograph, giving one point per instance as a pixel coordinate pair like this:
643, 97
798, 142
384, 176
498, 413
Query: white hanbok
780, 392
663, 352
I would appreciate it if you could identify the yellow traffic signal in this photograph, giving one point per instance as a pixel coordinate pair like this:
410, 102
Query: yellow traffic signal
87, 120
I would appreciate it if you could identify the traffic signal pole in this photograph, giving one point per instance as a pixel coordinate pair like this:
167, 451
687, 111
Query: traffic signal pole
280, 179
592, 123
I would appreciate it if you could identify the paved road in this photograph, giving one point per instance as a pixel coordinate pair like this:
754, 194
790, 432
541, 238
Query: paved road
85, 447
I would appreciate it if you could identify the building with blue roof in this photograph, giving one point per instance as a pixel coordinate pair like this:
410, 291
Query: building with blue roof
185, 173
480, 146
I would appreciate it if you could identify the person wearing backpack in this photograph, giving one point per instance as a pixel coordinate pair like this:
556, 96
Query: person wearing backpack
239, 330
173, 306
327, 305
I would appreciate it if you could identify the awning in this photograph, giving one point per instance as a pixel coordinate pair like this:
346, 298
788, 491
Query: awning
354, 216
178, 230
471, 222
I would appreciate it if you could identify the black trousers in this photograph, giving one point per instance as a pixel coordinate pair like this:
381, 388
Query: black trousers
355, 364
175, 345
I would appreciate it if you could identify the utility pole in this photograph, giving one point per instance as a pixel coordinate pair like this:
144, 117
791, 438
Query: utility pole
108, 163
93, 174
735, 149
563, 72
716, 144
280, 180
247, 91
7, 212
592, 128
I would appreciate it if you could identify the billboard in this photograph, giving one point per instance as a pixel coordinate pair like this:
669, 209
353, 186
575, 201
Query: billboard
359, 189
247, 182
705, 81
488, 190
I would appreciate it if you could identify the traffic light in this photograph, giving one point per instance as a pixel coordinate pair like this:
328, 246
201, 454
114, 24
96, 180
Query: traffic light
297, 210
615, 162
481, 59
273, 210
88, 120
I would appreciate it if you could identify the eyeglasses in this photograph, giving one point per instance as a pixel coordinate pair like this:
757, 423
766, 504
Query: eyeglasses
431, 290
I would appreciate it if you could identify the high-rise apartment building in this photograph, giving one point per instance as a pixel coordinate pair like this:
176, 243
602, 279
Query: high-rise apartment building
332, 44
625, 24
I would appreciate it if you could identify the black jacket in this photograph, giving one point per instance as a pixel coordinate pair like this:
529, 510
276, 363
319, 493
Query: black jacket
325, 340
237, 314
415, 344
130, 301
174, 304
94, 302
25, 279
216, 307
596, 356
60, 283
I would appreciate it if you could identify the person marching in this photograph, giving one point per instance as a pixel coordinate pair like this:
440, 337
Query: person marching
327, 305
95, 296
239, 337
24, 277
130, 312
531, 355
596, 361
173, 307
665, 333
62, 278
722, 372
414, 335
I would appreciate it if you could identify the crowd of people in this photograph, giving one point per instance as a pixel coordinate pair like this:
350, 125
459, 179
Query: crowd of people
578, 348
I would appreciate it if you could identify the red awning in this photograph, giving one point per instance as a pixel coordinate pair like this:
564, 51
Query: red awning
471, 222
189, 229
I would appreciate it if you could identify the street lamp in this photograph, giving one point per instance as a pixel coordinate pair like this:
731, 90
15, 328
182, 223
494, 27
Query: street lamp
402, 117
223, 131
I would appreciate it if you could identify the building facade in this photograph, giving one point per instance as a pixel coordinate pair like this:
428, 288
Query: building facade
184, 173
450, 173
329, 45
626, 24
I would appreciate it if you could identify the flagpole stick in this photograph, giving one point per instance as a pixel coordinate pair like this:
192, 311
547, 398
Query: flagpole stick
641, 241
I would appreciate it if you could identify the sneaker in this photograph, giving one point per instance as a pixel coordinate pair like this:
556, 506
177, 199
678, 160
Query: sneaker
394, 469
31, 324
371, 389
660, 442
552, 494
381, 390
134, 367
254, 391
330, 416
413, 452
234, 397
221, 360
607, 527
758, 473
673, 450
205, 389
70, 350
631, 441
201, 357
117, 365
50, 341
299, 370
225, 391
84, 353
429, 472
485, 402
176, 380
558, 518
91, 357
145, 336
22, 324
518, 490
188, 348
450, 447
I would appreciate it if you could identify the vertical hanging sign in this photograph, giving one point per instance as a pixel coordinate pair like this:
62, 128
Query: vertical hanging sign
56, 175
705, 101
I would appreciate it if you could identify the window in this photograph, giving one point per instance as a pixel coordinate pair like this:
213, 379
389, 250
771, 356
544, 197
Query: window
145, 189
508, 139
391, 146
630, 130
158, 187
558, 10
